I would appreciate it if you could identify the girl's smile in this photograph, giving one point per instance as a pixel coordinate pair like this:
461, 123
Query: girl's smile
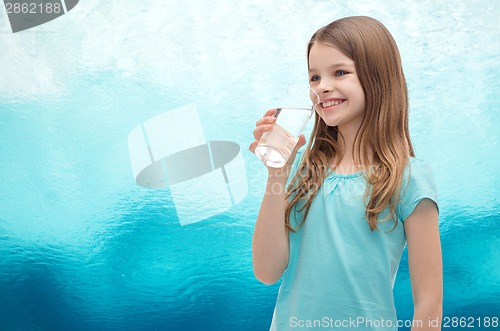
330, 104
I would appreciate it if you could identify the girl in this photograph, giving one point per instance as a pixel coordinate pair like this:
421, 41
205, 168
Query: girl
354, 198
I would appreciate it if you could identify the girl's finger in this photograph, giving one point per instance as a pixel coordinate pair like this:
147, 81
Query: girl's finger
252, 146
265, 120
270, 112
259, 131
263, 124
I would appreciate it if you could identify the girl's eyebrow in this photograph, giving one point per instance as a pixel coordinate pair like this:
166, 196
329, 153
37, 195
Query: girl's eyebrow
336, 65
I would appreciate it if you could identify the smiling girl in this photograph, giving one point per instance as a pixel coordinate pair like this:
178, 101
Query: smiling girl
353, 198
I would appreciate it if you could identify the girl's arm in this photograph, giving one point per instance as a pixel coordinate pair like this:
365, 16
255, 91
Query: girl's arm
270, 248
425, 261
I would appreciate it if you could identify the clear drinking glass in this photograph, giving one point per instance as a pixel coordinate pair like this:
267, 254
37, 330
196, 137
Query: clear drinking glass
275, 146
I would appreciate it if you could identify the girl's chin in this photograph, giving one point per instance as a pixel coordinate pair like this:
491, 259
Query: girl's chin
328, 120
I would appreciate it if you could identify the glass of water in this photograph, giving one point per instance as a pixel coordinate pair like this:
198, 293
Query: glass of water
275, 146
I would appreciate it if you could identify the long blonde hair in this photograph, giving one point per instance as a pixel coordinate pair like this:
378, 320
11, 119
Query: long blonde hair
384, 126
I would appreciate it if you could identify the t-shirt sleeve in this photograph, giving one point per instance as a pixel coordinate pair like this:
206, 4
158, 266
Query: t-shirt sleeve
418, 184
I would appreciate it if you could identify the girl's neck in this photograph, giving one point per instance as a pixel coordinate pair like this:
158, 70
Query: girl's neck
348, 164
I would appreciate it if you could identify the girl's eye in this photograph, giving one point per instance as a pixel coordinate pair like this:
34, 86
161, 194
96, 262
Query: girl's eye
315, 78
339, 73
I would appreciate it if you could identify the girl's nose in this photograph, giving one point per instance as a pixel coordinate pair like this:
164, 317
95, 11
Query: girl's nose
324, 87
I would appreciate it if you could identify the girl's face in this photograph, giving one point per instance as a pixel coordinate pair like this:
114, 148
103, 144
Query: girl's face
333, 76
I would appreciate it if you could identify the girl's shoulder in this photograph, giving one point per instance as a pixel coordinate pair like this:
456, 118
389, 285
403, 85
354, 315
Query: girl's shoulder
418, 167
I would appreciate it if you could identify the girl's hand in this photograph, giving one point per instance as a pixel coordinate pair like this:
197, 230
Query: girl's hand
265, 124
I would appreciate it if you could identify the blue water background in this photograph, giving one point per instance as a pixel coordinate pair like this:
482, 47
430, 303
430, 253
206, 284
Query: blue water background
82, 247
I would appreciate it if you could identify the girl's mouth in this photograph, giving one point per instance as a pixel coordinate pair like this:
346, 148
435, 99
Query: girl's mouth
331, 103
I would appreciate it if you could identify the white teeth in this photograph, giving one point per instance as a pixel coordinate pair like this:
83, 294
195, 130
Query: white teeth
331, 103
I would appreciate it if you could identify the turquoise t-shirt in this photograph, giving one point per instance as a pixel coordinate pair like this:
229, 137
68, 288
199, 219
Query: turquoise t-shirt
340, 274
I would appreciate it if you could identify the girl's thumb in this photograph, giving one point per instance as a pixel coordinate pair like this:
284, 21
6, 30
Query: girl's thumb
301, 142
